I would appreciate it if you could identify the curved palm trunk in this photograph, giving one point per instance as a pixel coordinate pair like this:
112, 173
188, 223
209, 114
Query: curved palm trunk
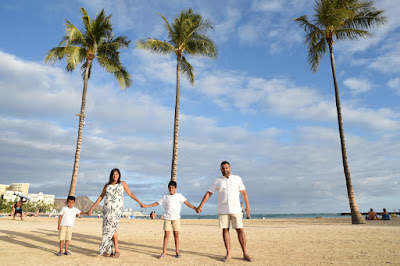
174, 167
356, 217
80, 131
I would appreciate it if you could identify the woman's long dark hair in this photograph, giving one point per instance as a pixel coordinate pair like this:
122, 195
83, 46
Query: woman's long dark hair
111, 176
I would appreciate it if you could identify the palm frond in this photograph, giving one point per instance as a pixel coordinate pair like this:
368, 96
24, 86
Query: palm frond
85, 18
171, 34
188, 70
75, 56
203, 46
155, 46
55, 55
351, 34
123, 78
315, 53
72, 35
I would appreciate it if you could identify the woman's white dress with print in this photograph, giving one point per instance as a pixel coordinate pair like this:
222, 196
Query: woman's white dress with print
112, 211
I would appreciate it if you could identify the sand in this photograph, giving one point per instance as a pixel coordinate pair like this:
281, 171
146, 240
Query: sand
34, 241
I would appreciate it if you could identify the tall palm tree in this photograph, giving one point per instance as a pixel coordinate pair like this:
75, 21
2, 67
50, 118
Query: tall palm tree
95, 41
345, 20
187, 35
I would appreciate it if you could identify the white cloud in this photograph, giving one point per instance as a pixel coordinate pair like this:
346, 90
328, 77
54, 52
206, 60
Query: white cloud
389, 61
395, 84
227, 27
267, 5
282, 97
357, 85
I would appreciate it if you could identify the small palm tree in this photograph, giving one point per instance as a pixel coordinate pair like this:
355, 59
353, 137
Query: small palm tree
187, 35
345, 20
95, 41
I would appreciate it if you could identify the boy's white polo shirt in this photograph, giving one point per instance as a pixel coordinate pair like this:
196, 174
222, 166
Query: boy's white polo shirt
68, 216
172, 205
228, 193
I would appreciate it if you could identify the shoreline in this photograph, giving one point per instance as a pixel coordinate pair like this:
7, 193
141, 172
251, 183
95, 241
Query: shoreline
305, 241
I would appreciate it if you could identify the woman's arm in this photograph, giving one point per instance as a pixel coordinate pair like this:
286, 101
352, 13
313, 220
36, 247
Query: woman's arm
128, 191
103, 193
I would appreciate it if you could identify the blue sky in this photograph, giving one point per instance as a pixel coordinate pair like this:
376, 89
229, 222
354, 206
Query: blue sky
257, 105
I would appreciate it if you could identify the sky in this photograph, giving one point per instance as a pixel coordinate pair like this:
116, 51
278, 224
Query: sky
257, 105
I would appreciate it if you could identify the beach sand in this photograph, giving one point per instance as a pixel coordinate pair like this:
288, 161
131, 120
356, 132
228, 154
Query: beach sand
34, 241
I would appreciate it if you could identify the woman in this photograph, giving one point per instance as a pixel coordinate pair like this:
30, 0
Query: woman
112, 211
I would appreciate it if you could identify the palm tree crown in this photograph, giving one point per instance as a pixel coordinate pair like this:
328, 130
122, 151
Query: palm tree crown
95, 41
186, 35
343, 19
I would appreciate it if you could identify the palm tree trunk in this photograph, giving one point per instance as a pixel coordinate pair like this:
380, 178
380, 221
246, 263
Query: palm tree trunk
174, 167
80, 131
356, 217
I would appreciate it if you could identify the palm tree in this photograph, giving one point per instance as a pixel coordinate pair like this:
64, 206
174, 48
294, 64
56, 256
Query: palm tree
187, 35
95, 41
345, 20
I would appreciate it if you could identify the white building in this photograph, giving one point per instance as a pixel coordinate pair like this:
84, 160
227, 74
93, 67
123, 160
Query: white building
11, 192
45, 198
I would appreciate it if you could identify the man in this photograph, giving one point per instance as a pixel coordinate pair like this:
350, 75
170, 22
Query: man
372, 215
18, 208
229, 188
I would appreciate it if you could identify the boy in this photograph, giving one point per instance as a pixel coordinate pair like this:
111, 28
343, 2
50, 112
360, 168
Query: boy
172, 209
66, 222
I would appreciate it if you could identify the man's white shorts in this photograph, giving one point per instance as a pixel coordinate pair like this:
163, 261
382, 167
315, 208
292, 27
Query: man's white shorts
225, 220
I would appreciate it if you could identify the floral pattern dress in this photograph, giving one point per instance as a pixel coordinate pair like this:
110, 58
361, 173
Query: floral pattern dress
112, 211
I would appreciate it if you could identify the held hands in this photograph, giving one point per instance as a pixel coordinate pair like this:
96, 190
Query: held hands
199, 209
142, 205
90, 212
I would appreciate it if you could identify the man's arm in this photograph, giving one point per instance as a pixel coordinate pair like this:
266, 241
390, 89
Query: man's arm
246, 201
205, 198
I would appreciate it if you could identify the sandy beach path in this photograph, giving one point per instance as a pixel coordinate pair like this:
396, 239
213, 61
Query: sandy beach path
34, 241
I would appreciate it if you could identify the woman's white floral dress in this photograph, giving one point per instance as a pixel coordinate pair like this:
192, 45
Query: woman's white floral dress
112, 211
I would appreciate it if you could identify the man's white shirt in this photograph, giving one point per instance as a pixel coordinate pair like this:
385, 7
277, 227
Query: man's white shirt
228, 193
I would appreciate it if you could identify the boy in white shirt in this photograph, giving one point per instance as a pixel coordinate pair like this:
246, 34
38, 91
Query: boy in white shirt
172, 209
66, 222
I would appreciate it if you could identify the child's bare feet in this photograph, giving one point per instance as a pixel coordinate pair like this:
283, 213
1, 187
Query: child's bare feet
161, 256
226, 258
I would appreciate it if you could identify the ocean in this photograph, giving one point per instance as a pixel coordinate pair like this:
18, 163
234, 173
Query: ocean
271, 216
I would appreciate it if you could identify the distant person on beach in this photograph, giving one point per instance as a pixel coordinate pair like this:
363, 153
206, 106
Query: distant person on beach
385, 215
66, 222
18, 208
372, 215
172, 214
229, 188
153, 215
113, 192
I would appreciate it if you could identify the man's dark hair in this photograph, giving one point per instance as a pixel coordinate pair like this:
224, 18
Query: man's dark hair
70, 198
225, 162
172, 183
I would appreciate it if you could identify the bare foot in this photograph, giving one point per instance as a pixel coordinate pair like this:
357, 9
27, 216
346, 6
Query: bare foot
248, 258
226, 258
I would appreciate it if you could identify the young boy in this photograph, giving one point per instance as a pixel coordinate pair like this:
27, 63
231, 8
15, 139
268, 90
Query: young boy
172, 209
66, 222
